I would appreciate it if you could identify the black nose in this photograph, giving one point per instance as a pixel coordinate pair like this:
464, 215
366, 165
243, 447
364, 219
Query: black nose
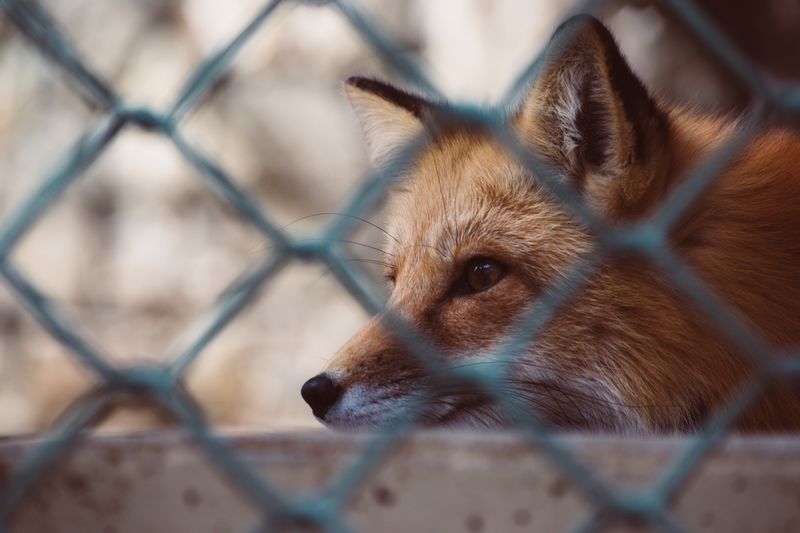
320, 392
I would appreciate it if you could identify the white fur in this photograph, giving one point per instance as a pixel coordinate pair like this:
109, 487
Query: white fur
567, 110
361, 407
387, 127
601, 404
568, 107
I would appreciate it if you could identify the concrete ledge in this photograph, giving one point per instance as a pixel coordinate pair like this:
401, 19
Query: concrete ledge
438, 482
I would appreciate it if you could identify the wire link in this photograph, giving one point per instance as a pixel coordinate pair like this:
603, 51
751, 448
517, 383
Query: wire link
325, 508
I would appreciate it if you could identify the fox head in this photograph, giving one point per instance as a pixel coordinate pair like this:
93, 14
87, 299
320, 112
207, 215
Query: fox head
475, 241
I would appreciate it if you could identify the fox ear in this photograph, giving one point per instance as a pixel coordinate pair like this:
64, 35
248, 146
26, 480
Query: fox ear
390, 117
592, 117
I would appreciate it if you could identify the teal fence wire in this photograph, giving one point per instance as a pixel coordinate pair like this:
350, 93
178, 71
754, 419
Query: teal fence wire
324, 509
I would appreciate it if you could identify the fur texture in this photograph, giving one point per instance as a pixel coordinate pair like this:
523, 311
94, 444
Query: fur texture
627, 353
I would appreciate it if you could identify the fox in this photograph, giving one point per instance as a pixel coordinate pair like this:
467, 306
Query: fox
475, 240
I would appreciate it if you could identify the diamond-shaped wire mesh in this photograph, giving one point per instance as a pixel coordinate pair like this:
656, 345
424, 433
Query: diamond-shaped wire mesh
325, 508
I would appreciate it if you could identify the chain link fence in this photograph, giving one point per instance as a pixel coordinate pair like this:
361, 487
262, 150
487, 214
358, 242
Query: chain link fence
162, 383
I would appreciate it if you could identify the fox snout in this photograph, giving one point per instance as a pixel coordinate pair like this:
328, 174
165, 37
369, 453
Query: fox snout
367, 380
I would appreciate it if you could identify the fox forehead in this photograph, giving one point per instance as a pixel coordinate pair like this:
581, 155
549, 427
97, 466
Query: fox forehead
466, 196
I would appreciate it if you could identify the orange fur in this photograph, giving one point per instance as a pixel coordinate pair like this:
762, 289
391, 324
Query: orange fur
628, 352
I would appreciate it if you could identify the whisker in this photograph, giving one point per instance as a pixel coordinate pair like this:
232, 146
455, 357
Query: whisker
381, 250
345, 241
526, 383
346, 215
449, 213
369, 262
421, 245
590, 398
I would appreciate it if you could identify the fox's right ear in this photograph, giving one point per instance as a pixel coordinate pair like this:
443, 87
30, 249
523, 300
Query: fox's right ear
390, 118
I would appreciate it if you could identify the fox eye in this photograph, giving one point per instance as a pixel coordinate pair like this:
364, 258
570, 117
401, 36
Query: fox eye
481, 274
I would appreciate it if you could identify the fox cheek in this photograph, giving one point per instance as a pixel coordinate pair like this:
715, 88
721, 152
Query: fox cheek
473, 324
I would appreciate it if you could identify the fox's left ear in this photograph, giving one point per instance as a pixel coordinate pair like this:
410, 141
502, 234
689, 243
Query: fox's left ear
591, 117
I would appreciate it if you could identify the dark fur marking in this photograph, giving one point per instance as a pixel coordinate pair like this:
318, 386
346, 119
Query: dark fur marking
416, 105
436, 117
640, 109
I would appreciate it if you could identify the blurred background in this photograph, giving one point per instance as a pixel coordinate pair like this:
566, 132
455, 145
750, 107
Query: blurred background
140, 246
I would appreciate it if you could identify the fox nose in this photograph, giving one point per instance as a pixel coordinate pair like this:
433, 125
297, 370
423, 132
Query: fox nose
320, 392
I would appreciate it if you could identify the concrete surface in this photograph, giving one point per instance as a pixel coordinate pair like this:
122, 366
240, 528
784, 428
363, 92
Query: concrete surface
438, 482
